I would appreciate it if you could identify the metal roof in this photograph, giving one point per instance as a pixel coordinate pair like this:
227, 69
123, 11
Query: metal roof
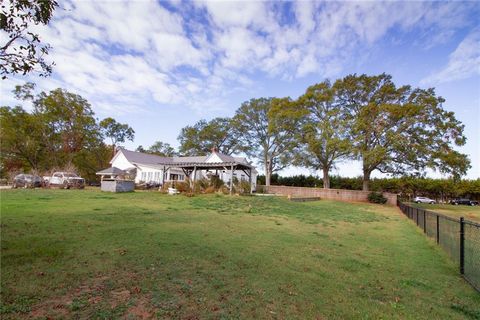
200, 165
111, 171
154, 160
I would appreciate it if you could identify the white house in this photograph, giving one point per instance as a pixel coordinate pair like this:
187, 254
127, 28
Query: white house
152, 168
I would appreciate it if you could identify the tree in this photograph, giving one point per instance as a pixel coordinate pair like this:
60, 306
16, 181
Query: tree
264, 136
61, 131
117, 132
400, 130
140, 148
68, 125
23, 50
323, 133
21, 138
203, 136
162, 149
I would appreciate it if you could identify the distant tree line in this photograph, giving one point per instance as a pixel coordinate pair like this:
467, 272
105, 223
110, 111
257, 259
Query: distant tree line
60, 132
407, 187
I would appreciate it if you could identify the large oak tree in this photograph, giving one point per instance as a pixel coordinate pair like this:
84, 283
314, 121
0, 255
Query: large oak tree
400, 130
319, 127
265, 137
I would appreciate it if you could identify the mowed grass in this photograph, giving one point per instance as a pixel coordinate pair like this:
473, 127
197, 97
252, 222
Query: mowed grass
471, 213
85, 254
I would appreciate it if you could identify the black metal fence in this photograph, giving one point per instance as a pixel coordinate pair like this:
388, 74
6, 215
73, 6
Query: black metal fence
460, 238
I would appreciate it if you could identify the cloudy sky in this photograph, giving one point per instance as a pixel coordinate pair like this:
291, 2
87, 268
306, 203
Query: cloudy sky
162, 65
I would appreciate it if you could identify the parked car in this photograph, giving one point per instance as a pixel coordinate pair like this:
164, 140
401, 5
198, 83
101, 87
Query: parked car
66, 180
27, 181
424, 200
466, 202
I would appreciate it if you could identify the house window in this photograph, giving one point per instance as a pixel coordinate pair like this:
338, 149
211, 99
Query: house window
157, 176
143, 176
150, 176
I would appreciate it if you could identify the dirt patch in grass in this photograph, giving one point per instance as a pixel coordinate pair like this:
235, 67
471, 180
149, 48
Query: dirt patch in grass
141, 309
95, 299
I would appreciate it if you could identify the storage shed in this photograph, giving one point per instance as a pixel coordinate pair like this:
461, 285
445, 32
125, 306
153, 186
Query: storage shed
116, 180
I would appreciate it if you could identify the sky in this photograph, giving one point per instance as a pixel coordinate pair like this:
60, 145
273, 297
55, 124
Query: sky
162, 65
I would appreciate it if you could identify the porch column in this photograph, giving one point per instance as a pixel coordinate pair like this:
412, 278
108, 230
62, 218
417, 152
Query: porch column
231, 179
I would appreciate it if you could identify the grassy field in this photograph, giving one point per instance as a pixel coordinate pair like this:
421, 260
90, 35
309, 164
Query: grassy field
85, 254
468, 212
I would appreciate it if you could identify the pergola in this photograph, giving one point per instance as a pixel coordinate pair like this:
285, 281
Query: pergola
192, 167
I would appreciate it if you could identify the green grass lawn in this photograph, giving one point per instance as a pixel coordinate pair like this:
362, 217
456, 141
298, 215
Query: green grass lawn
85, 254
468, 212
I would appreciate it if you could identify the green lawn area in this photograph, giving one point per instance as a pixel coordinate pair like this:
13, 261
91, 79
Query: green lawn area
468, 212
85, 254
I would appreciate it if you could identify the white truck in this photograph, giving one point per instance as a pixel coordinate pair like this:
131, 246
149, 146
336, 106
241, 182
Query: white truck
65, 180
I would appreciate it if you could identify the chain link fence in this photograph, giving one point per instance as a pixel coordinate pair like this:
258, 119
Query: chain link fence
458, 237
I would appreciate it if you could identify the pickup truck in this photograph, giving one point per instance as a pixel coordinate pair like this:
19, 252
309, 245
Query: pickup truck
466, 202
65, 180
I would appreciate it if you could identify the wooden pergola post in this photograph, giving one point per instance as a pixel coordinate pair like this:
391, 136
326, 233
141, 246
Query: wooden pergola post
163, 176
194, 177
250, 180
231, 179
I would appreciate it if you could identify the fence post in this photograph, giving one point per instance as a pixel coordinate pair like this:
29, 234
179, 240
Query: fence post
462, 246
438, 228
424, 221
416, 209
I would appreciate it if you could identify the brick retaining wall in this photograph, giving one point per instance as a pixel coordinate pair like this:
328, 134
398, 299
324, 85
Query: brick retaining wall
332, 194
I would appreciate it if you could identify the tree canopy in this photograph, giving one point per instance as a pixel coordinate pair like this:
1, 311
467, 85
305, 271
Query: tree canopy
203, 136
322, 131
116, 132
268, 139
23, 51
162, 149
61, 131
399, 130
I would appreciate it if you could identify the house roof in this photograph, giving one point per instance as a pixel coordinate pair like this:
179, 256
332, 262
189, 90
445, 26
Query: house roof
142, 158
151, 159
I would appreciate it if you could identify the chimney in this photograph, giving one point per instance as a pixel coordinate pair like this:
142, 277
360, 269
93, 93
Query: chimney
214, 150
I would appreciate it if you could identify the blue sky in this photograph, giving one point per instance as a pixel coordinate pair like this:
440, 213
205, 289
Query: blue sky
159, 66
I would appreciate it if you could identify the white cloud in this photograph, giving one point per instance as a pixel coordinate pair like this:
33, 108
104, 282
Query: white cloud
121, 55
464, 62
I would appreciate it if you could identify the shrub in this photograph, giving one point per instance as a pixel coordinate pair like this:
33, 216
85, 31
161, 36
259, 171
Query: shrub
216, 182
201, 185
242, 187
183, 186
375, 197
210, 189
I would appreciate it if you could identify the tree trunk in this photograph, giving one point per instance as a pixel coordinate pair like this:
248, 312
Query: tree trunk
326, 179
267, 175
366, 179
268, 171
